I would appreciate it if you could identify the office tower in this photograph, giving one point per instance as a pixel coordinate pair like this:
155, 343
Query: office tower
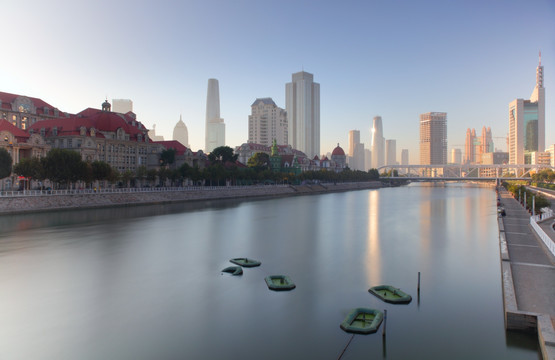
302, 102
433, 138
455, 156
378, 143
122, 106
356, 151
215, 127
180, 133
527, 123
404, 156
267, 122
486, 143
367, 159
469, 148
391, 152
152, 134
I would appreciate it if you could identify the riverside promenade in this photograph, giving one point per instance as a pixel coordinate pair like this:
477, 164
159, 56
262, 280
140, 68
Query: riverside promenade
528, 270
39, 201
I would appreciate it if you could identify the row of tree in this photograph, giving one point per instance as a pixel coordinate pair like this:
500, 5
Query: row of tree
65, 168
519, 191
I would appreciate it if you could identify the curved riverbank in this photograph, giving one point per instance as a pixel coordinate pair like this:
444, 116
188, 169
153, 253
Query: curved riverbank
40, 203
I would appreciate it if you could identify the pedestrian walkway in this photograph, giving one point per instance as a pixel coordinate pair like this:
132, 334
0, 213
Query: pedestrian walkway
532, 267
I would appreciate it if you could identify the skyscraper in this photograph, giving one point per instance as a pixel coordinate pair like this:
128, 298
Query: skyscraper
404, 156
122, 106
356, 151
180, 133
527, 123
302, 103
378, 143
433, 138
455, 156
391, 152
267, 122
215, 127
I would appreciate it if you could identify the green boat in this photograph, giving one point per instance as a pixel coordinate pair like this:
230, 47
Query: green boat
233, 270
245, 262
390, 294
362, 321
279, 282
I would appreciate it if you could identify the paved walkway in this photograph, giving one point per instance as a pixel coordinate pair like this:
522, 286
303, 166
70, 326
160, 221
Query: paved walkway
533, 272
533, 267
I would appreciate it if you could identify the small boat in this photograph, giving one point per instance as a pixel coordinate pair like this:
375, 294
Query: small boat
279, 282
390, 294
362, 321
245, 262
233, 270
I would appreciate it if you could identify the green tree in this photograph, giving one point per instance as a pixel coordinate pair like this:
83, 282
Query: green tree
167, 157
5, 163
30, 168
222, 154
126, 177
259, 161
64, 166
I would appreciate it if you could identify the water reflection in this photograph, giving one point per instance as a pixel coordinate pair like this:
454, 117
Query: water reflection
106, 284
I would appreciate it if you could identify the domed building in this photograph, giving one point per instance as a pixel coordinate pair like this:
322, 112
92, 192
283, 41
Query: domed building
180, 133
339, 158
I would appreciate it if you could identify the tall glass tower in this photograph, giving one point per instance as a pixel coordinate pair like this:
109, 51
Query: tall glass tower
527, 123
378, 143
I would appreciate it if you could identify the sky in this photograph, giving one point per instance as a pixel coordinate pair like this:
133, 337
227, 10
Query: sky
392, 58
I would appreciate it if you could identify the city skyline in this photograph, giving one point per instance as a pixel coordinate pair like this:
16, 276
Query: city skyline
163, 69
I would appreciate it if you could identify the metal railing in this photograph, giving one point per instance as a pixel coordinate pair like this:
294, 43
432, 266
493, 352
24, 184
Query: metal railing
30, 193
539, 231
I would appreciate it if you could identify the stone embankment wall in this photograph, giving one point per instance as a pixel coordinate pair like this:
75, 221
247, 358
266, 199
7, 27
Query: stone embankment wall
21, 204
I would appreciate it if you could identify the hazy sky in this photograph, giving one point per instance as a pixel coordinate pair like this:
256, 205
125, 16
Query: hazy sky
396, 59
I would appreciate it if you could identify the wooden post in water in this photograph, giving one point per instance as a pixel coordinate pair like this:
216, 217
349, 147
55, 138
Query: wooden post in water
419, 283
384, 321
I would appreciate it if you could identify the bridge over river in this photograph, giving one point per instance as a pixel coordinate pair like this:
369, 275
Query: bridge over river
463, 172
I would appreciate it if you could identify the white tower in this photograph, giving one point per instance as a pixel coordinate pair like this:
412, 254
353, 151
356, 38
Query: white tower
180, 133
378, 143
302, 103
215, 127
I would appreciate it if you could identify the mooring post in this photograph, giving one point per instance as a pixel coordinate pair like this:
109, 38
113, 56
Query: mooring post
384, 321
419, 283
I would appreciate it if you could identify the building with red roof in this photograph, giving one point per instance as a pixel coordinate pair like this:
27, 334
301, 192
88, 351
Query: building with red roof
183, 154
23, 111
20, 144
102, 135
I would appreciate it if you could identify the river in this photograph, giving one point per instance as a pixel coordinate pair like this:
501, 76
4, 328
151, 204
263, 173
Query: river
145, 283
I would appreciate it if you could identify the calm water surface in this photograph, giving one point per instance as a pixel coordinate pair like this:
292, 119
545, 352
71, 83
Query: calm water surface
145, 282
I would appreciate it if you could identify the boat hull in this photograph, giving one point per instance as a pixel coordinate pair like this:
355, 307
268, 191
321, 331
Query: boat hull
245, 262
279, 282
390, 294
362, 321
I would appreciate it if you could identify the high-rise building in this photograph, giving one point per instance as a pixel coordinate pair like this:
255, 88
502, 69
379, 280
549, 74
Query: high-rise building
378, 143
433, 138
180, 132
302, 103
215, 126
527, 123
122, 106
267, 122
404, 156
367, 159
475, 147
356, 151
455, 156
391, 152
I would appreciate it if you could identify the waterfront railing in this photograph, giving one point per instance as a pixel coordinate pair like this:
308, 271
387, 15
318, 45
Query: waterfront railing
30, 193
547, 240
